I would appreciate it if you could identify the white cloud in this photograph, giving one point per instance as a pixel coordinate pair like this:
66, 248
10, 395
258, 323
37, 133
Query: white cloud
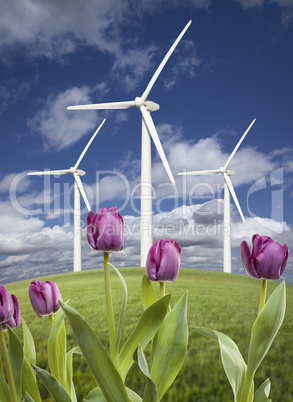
123, 183
53, 29
59, 127
22, 184
197, 228
28, 248
206, 154
131, 65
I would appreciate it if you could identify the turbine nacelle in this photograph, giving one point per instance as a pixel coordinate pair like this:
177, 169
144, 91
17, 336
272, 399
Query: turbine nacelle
78, 171
150, 106
228, 171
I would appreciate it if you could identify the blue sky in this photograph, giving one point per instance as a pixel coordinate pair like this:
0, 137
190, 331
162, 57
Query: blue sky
233, 64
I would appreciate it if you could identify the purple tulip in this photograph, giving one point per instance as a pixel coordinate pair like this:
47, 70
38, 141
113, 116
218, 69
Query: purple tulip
6, 304
163, 261
16, 317
105, 230
267, 260
44, 297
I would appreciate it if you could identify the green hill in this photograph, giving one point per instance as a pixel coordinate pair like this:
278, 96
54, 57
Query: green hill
225, 302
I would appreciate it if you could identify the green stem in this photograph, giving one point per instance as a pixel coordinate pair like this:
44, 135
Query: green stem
263, 294
162, 289
12, 389
163, 292
109, 306
51, 319
247, 395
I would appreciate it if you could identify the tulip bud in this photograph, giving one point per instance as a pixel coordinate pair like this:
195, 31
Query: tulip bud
105, 230
267, 260
6, 304
16, 317
163, 261
44, 297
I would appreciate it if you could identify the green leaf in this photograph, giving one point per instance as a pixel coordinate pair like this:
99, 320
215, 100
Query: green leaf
209, 333
96, 395
28, 344
149, 295
15, 353
233, 362
123, 307
70, 371
133, 397
4, 390
29, 383
144, 331
266, 327
57, 349
28, 398
151, 392
263, 392
57, 392
96, 357
170, 346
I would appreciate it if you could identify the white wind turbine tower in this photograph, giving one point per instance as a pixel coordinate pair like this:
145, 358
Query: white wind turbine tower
228, 189
148, 130
78, 189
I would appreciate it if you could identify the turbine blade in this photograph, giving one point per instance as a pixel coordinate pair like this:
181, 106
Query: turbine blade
163, 62
232, 192
153, 133
199, 172
47, 172
88, 144
81, 190
238, 145
111, 105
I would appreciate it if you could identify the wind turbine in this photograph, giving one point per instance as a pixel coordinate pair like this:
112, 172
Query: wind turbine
78, 189
148, 130
228, 189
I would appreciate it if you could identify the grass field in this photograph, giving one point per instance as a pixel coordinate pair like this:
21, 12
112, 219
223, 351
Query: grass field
225, 302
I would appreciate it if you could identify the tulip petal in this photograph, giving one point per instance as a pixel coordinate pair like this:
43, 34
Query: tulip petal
258, 244
247, 260
91, 229
163, 261
283, 267
44, 297
151, 265
37, 301
269, 262
56, 295
105, 230
6, 304
169, 264
16, 317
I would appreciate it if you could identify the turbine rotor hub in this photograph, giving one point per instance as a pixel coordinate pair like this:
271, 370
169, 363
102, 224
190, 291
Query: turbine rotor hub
139, 102
150, 106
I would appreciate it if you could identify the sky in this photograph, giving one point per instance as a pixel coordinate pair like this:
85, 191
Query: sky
233, 64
